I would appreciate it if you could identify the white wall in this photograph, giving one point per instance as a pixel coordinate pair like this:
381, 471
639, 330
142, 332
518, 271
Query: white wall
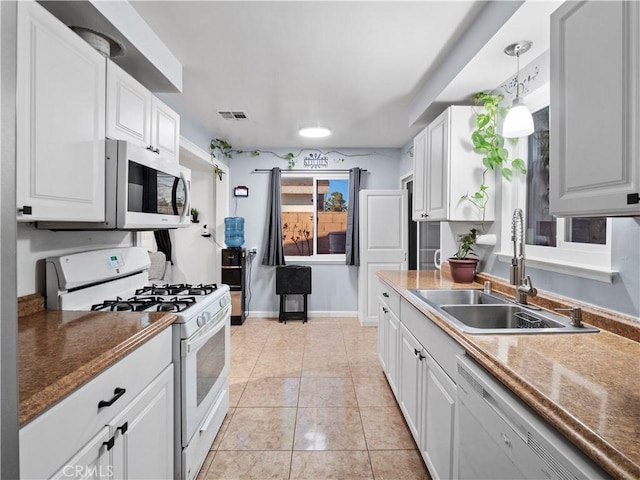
193, 254
34, 246
335, 287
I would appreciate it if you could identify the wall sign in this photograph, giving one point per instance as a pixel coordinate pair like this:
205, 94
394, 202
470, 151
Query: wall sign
316, 160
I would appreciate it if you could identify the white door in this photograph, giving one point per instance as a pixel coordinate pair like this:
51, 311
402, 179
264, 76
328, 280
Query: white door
383, 244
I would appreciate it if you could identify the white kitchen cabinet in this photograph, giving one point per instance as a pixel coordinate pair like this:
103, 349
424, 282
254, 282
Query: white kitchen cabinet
446, 168
128, 107
438, 420
143, 433
411, 371
69, 438
595, 118
60, 121
134, 114
424, 368
165, 130
389, 333
420, 184
92, 462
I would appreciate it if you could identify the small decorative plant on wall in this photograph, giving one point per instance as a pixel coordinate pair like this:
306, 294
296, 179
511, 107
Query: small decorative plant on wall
489, 143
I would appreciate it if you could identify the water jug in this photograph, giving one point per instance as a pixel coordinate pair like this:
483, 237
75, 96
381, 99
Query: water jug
234, 231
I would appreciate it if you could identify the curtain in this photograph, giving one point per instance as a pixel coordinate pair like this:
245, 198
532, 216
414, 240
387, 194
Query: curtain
352, 244
164, 243
273, 250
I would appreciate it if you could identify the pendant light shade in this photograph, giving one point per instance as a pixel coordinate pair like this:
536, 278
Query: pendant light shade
518, 122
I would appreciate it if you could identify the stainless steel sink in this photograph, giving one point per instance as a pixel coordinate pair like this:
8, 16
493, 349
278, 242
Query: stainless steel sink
456, 297
478, 312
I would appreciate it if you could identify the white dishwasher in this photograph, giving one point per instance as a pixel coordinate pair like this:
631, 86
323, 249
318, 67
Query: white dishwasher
499, 437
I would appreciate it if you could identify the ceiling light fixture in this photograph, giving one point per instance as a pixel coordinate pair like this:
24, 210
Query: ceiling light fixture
314, 132
518, 122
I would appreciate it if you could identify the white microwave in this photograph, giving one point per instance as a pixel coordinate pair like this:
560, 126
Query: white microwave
143, 192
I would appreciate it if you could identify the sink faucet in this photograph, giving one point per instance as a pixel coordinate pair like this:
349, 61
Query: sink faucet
517, 274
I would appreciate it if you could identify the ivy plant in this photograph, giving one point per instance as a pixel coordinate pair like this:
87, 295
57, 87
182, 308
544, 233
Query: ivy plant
489, 143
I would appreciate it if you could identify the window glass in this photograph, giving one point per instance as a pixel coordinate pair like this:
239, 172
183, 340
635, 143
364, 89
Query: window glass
314, 215
542, 227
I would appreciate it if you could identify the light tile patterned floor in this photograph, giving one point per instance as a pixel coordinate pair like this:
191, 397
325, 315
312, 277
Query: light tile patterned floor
310, 401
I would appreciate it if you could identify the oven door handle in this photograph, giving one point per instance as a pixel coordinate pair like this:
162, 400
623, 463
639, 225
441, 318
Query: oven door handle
201, 337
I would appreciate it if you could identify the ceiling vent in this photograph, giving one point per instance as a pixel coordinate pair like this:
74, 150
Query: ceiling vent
233, 115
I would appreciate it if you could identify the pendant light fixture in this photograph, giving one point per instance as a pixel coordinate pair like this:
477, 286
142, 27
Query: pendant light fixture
518, 122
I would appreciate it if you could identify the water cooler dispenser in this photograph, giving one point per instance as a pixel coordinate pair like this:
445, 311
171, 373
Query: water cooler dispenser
234, 267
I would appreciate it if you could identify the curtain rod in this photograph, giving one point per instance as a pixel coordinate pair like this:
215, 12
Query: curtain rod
310, 170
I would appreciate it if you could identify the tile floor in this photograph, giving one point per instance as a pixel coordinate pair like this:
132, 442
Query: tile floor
310, 401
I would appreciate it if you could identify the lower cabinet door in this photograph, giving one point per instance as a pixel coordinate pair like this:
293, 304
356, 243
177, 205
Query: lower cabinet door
93, 461
438, 424
143, 433
409, 384
383, 312
392, 335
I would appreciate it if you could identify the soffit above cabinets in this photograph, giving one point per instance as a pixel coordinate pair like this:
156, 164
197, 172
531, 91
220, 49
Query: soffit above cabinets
146, 57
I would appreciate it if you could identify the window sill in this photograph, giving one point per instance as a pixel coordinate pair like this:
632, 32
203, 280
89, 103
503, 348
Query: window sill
599, 274
340, 260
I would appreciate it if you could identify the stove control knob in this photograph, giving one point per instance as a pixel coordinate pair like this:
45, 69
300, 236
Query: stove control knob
222, 302
207, 316
201, 320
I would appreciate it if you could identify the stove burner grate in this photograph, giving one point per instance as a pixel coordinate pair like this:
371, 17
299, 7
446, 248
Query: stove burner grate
178, 289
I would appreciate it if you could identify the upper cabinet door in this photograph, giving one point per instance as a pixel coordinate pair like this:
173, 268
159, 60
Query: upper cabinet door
437, 170
595, 109
446, 168
420, 176
165, 130
128, 107
60, 113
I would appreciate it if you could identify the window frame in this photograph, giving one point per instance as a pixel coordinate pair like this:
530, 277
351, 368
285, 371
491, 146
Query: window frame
316, 258
578, 259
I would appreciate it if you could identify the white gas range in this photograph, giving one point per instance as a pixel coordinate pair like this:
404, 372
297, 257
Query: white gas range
117, 279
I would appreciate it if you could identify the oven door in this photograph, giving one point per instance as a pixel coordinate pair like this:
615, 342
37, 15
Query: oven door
152, 192
205, 366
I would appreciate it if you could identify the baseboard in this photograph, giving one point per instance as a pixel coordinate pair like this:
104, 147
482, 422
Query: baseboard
370, 323
310, 314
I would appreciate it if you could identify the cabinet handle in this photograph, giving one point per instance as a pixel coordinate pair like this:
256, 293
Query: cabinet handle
633, 198
123, 428
385, 310
421, 357
416, 352
385, 294
109, 443
25, 210
150, 148
157, 150
117, 393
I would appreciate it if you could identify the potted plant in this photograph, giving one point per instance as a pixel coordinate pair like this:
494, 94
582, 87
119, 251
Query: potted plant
463, 269
194, 215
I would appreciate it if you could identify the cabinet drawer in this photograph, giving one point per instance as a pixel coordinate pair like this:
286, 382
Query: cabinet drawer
61, 431
440, 346
389, 296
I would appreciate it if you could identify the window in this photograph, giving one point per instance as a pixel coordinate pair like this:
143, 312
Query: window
314, 215
543, 228
578, 246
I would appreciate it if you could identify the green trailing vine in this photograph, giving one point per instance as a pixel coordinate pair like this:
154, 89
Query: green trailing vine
489, 143
227, 151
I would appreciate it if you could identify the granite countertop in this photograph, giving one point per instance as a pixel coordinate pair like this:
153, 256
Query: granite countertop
585, 385
58, 351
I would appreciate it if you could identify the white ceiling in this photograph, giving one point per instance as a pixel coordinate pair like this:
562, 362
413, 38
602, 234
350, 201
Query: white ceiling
352, 66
